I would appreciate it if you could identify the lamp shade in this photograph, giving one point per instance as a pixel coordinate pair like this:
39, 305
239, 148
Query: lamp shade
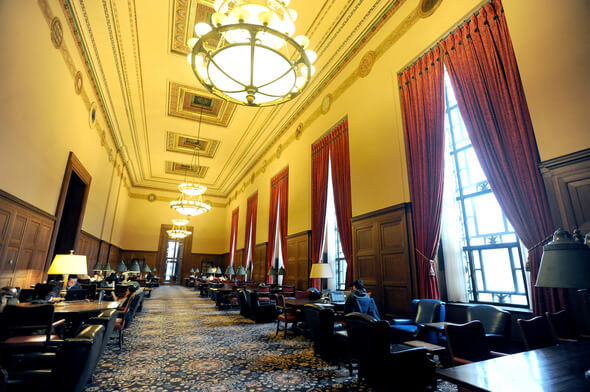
219, 271
321, 270
107, 267
281, 271
147, 269
121, 267
230, 270
97, 267
68, 265
565, 263
192, 270
211, 270
197, 271
272, 271
135, 267
241, 271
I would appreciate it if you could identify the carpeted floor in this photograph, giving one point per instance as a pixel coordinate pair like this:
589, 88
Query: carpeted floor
180, 342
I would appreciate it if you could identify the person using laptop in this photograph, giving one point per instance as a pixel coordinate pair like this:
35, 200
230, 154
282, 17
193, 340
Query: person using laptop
72, 284
358, 291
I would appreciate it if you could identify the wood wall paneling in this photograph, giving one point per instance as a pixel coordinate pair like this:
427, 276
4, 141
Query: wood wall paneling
24, 243
89, 246
382, 257
260, 262
150, 257
567, 182
298, 261
103, 253
114, 255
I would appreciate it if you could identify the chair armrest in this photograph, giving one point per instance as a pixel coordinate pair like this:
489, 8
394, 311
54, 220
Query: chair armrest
461, 360
498, 354
584, 336
58, 323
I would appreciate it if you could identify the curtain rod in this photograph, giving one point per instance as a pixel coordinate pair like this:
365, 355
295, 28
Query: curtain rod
442, 37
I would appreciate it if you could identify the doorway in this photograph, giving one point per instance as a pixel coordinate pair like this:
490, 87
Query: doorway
70, 209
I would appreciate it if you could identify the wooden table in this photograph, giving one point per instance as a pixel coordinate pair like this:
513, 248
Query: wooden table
557, 368
79, 306
431, 348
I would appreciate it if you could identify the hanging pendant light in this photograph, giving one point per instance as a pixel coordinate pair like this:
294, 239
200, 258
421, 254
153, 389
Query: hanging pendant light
248, 54
178, 230
190, 202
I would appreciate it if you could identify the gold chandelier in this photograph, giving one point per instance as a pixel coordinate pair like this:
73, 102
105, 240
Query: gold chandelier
248, 56
178, 230
190, 202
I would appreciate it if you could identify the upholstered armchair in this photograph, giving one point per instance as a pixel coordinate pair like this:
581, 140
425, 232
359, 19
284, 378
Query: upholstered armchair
496, 324
467, 343
261, 312
424, 311
385, 365
536, 333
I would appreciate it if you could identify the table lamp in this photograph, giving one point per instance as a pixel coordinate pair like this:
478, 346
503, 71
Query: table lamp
97, 267
68, 265
566, 263
197, 271
121, 267
229, 271
146, 269
321, 271
135, 268
241, 271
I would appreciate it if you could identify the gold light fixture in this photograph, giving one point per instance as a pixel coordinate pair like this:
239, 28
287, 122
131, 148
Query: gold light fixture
248, 56
178, 230
190, 202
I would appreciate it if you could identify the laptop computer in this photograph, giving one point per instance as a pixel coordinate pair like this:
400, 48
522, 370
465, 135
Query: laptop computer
76, 295
337, 296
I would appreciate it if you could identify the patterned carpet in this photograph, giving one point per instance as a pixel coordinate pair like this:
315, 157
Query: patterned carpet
180, 342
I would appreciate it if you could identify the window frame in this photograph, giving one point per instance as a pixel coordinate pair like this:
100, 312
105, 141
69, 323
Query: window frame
468, 249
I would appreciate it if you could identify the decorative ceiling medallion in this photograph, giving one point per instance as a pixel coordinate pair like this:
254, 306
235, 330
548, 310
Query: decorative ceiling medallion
176, 142
92, 115
186, 169
188, 102
186, 13
57, 33
427, 7
78, 82
151, 197
326, 103
366, 64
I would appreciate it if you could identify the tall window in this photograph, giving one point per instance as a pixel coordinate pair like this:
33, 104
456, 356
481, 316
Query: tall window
491, 249
332, 246
173, 260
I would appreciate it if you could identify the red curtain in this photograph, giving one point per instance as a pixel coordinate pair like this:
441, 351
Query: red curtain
251, 210
320, 154
279, 196
422, 97
232, 237
340, 163
482, 67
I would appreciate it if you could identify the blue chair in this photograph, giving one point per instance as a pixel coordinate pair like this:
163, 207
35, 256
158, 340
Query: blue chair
424, 311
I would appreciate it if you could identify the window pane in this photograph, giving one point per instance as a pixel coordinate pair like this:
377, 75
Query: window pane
488, 214
498, 273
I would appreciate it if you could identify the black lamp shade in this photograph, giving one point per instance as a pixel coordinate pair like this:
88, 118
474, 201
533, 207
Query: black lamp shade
121, 267
135, 267
565, 263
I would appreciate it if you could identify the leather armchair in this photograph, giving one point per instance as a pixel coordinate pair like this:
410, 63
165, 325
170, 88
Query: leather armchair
385, 365
496, 324
467, 343
243, 301
107, 319
425, 311
536, 333
68, 372
327, 343
261, 312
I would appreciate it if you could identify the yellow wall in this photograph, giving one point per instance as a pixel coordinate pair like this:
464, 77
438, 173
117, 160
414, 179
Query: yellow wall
551, 49
43, 119
143, 220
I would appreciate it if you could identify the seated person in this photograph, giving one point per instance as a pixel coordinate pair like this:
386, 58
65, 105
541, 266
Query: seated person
358, 291
55, 293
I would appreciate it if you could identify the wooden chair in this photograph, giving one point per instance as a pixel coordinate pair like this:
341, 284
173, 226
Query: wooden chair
467, 343
286, 315
536, 333
20, 325
563, 327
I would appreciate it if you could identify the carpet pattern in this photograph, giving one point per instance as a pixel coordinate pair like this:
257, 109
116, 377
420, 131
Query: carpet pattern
180, 342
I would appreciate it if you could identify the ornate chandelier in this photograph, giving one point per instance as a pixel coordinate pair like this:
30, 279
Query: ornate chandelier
190, 205
178, 230
247, 54
190, 202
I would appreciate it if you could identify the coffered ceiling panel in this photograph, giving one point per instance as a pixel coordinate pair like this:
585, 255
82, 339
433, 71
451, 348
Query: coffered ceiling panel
136, 51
